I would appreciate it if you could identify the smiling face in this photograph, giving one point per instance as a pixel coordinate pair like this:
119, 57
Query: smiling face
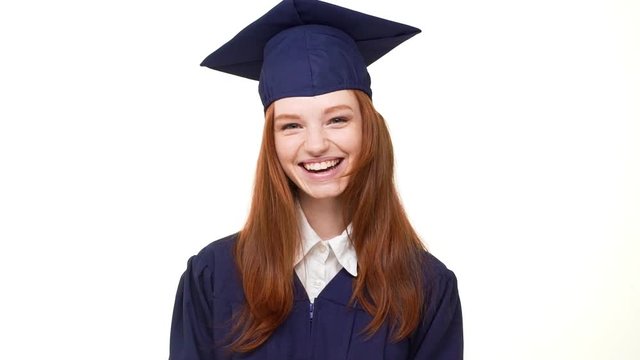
317, 140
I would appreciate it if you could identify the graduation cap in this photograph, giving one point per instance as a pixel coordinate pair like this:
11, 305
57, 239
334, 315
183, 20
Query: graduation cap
308, 48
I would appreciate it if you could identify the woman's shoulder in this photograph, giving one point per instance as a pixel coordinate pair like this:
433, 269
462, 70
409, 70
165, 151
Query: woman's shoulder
218, 250
216, 263
435, 265
216, 255
436, 273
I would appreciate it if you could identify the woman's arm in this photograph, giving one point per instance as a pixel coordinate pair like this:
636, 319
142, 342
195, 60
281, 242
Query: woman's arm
440, 335
191, 327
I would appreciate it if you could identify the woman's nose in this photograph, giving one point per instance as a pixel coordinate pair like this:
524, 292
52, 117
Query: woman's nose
316, 141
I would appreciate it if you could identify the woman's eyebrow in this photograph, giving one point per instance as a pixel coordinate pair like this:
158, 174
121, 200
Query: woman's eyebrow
282, 117
336, 108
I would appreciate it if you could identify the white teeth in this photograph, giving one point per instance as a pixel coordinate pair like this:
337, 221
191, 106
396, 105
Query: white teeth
321, 165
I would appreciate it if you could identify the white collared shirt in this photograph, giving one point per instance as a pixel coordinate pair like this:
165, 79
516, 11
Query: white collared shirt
321, 260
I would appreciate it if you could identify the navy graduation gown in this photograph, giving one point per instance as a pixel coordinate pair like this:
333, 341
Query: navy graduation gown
210, 291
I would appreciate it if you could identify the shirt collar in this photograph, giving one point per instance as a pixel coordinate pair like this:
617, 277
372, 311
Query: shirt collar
340, 245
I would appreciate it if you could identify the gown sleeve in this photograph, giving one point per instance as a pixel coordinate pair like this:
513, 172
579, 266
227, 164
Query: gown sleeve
191, 325
440, 335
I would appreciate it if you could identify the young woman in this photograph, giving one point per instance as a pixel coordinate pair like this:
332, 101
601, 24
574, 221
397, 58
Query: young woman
327, 265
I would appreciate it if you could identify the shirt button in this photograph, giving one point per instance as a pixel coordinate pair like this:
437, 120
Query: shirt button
323, 249
317, 283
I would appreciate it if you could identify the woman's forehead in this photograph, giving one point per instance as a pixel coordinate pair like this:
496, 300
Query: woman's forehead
329, 102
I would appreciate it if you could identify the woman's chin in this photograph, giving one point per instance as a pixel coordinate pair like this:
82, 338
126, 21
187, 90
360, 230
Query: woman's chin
325, 192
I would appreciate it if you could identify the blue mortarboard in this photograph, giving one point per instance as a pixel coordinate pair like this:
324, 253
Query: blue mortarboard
308, 48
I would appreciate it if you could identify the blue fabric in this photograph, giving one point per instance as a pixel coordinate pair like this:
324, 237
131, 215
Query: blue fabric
210, 291
307, 48
310, 60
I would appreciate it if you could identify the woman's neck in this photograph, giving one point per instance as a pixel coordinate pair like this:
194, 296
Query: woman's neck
324, 216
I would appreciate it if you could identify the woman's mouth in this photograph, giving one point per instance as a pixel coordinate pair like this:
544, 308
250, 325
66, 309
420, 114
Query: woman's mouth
322, 166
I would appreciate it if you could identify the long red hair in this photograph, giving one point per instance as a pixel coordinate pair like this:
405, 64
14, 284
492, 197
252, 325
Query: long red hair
389, 285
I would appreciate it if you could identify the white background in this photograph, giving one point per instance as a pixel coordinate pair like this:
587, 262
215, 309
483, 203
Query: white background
516, 127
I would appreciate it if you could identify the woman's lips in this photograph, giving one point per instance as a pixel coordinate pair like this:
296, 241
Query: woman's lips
324, 174
319, 166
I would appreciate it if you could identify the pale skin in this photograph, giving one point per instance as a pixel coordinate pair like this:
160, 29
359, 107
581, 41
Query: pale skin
319, 131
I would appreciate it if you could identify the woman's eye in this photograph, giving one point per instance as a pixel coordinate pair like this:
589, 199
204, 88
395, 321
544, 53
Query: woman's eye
338, 120
290, 126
